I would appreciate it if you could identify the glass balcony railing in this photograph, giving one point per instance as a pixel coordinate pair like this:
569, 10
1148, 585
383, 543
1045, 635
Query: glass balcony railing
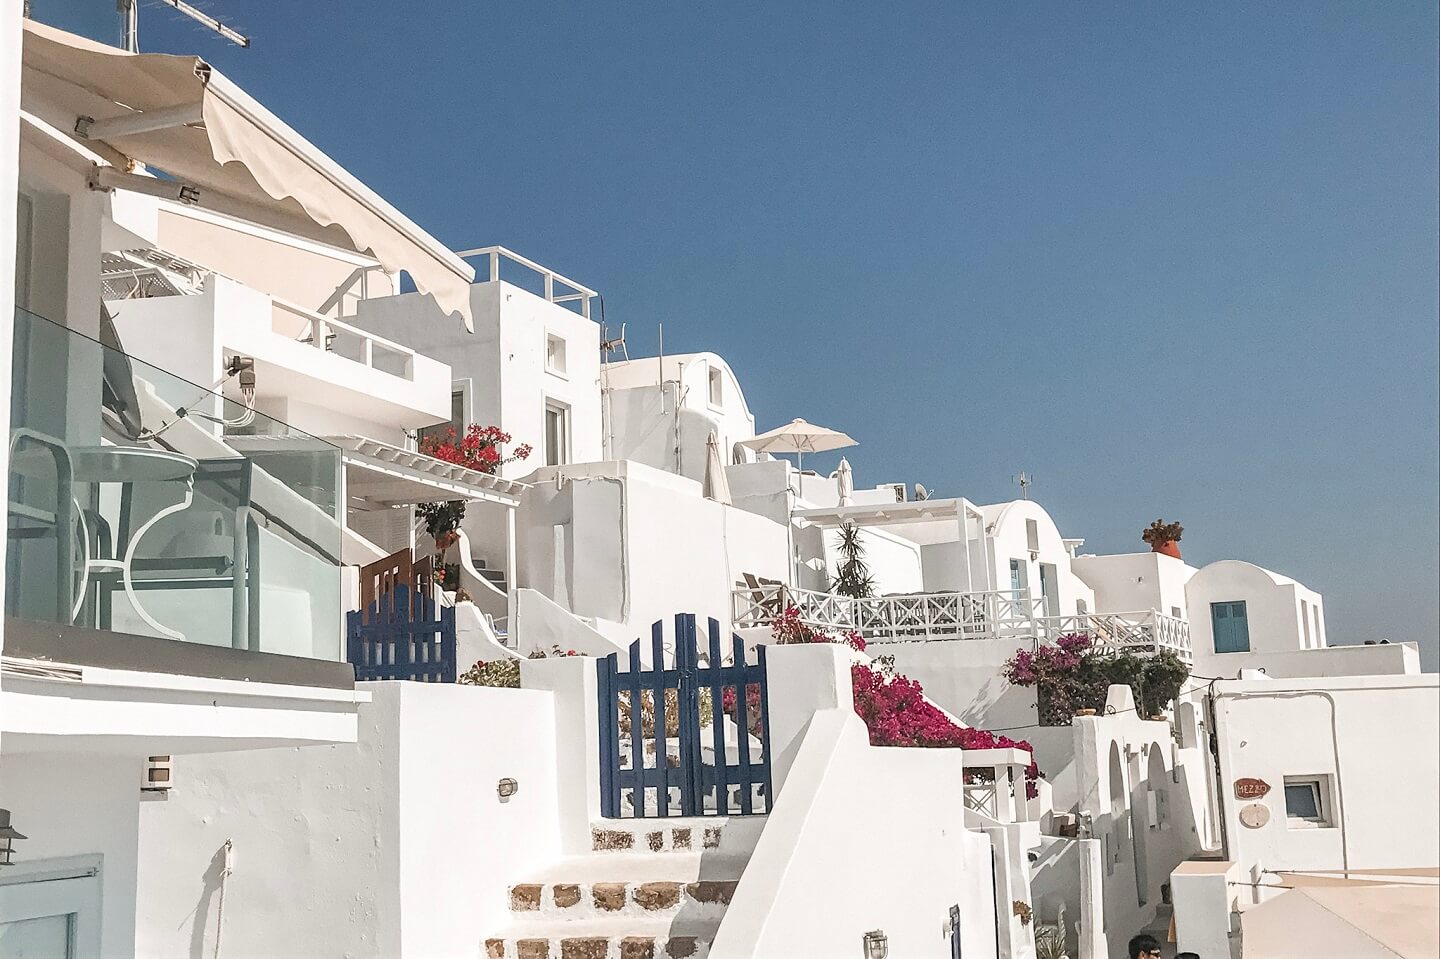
147, 505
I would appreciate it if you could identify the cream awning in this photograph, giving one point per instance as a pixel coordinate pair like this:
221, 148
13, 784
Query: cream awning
181, 116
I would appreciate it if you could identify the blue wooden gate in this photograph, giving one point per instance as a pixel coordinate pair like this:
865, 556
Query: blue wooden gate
679, 759
402, 635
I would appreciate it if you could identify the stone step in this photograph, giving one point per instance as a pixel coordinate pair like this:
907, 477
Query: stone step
613, 938
726, 835
699, 900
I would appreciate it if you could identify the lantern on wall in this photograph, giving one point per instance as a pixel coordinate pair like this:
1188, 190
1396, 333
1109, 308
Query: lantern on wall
877, 944
8, 835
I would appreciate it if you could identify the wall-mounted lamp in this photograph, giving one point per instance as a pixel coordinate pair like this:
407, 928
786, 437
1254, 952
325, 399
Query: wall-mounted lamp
877, 946
8, 835
158, 773
506, 788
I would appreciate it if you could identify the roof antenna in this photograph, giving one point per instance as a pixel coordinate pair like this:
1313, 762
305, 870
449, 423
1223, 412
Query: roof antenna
1025, 480
234, 36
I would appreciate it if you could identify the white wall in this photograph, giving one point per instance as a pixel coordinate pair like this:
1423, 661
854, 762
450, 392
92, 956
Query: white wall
72, 804
632, 545
790, 906
1375, 738
1009, 540
1130, 582
1272, 609
397, 845
893, 561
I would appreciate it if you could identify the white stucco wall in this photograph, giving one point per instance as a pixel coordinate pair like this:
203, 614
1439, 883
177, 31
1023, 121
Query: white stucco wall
1130, 582
73, 804
632, 545
1272, 609
397, 845
1374, 738
502, 363
894, 563
1009, 539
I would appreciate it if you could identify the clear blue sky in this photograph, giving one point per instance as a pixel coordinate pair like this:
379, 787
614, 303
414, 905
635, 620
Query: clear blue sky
1174, 260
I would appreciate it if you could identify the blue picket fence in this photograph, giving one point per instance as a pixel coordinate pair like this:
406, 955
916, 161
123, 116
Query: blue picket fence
403, 634
668, 770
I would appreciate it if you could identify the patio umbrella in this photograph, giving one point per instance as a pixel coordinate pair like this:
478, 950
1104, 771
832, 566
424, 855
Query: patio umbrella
1360, 920
800, 437
716, 486
845, 482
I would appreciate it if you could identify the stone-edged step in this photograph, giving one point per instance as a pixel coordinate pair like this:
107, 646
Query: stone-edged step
724, 835
699, 899
617, 938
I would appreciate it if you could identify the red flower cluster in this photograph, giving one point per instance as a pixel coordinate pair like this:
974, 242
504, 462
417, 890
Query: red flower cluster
479, 449
895, 709
1048, 662
753, 721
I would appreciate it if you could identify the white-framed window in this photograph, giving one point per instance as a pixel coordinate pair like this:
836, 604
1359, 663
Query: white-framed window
557, 433
1307, 802
716, 383
1032, 535
555, 354
51, 908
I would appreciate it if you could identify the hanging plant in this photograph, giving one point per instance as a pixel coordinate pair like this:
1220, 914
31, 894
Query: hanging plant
481, 448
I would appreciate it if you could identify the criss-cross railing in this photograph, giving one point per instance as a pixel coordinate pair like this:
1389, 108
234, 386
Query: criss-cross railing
979, 615
1142, 630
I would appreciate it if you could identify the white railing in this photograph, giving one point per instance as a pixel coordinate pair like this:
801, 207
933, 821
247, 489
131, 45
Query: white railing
1145, 630
338, 337
991, 614
569, 292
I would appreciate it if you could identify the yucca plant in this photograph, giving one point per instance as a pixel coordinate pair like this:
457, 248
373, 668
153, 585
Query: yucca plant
852, 576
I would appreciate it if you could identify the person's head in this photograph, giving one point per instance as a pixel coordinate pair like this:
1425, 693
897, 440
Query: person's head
1144, 946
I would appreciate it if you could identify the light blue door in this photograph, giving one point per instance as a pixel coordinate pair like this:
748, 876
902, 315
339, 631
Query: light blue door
1017, 580
1231, 628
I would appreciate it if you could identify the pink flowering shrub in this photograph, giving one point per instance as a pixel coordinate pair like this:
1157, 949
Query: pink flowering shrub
1070, 674
894, 707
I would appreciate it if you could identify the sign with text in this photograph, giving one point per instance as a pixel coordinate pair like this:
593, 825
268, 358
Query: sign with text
1251, 788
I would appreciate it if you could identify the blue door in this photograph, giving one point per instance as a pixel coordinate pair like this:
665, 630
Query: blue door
1231, 628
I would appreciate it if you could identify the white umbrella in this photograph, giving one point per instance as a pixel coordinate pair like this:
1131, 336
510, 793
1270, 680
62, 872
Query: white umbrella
800, 437
716, 486
845, 482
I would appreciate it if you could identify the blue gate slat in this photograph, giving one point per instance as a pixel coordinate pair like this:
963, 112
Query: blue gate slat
657, 692
637, 735
402, 635
717, 718
762, 678
742, 707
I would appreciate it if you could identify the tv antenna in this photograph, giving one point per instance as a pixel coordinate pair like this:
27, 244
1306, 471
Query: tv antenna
234, 36
611, 345
1025, 480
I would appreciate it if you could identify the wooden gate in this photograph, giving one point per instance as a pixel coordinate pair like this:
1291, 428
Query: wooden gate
402, 635
690, 740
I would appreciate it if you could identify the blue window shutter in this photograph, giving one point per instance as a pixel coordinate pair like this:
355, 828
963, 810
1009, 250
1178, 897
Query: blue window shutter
1230, 627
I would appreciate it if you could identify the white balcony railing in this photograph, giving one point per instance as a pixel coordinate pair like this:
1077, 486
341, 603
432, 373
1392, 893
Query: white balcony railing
556, 288
340, 338
992, 614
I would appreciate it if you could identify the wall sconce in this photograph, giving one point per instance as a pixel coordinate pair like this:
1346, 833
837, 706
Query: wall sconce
506, 788
158, 776
877, 946
8, 835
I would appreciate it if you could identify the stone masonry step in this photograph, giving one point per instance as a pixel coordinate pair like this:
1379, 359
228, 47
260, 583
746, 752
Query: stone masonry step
701, 900
603, 939
730, 836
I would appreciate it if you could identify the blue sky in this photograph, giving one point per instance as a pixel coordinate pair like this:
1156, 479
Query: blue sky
1172, 260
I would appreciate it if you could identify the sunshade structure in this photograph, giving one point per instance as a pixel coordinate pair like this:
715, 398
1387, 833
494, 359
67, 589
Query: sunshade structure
800, 437
224, 151
1356, 920
716, 486
845, 483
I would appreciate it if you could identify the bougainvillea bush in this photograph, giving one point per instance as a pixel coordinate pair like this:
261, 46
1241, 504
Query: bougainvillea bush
1071, 674
481, 448
894, 707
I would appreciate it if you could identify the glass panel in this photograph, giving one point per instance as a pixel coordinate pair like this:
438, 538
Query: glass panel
47, 937
101, 20
1302, 801
145, 504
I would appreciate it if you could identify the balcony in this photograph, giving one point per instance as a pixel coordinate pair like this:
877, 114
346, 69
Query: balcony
987, 615
130, 513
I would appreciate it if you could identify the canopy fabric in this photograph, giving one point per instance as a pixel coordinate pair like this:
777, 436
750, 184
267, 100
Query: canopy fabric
845, 483
798, 436
716, 486
183, 117
1356, 921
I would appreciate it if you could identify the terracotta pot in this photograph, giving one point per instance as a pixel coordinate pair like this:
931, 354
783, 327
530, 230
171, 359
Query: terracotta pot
1169, 547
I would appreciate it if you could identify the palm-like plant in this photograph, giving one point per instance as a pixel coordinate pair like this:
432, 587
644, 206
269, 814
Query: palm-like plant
852, 576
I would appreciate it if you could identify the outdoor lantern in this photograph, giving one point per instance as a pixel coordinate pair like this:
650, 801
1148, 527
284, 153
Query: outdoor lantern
8, 835
876, 945
507, 787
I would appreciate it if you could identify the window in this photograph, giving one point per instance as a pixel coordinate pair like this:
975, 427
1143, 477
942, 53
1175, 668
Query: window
1019, 581
1175, 611
717, 387
1081, 607
1231, 627
458, 417
1032, 535
557, 434
103, 20
1048, 591
1307, 801
554, 354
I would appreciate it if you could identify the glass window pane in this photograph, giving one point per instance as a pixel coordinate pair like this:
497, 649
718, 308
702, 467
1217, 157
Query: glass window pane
1302, 801
46, 937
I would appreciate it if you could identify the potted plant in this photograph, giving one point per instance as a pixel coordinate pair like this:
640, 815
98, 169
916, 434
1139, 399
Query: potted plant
1050, 943
1163, 537
852, 576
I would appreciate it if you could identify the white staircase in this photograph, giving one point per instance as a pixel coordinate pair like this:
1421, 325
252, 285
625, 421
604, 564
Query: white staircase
649, 889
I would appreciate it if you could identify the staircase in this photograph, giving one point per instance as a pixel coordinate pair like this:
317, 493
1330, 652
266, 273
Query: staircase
495, 577
649, 889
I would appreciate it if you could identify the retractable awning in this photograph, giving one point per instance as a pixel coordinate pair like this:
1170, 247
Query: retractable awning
381, 476
224, 150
